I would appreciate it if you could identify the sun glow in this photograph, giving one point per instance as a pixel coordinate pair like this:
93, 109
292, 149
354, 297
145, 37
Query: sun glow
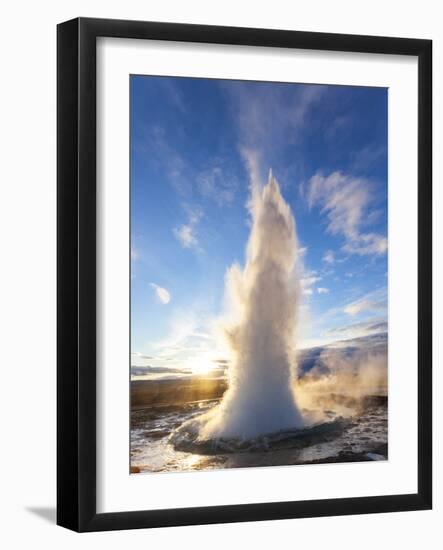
202, 365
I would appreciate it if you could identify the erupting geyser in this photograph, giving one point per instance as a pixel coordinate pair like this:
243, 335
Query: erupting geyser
261, 337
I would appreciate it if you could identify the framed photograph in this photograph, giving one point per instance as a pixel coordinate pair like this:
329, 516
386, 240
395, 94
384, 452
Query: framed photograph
244, 274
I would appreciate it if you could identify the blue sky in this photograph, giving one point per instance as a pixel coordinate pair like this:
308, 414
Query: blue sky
196, 144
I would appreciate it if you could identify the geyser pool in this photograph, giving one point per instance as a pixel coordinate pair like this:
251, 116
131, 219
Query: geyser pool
263, 296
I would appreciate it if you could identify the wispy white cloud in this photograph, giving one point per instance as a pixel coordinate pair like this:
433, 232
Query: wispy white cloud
186, 233
135, 255
368, 303
365, 158
162, 294
322, 290
217, 184
169, 160
329, 257
266, 114
216, 180
182, 325
269, 120
174, 94
190, 341
345, 201
308, 281
337, 126
139, 355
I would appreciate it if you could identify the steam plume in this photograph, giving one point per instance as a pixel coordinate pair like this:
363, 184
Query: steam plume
263, 299
349, 375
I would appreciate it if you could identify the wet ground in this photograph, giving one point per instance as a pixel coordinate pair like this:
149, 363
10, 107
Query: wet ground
360, 434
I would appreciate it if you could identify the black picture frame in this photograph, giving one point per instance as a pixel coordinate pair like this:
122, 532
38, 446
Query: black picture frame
76, 280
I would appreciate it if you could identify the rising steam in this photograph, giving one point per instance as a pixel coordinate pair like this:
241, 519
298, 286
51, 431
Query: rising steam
261, 333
